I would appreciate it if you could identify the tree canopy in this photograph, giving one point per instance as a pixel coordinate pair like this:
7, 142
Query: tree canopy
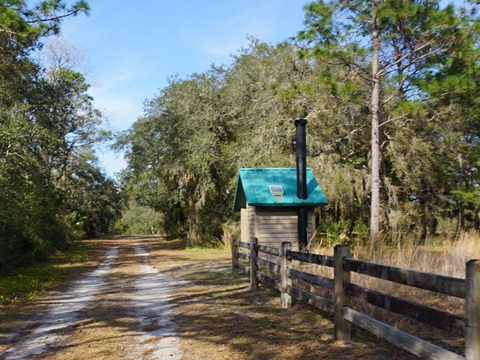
388, 88
52, 190
392, 45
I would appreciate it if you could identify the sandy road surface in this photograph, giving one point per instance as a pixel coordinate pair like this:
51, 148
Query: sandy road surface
119, 310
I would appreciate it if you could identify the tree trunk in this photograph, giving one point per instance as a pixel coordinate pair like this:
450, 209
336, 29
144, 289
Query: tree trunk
375, 104
462, 215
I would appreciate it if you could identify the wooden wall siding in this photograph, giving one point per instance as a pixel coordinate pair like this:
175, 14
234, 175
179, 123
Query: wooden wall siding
251, 221
274, 225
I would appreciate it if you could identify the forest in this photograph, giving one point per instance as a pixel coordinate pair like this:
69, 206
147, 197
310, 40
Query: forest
52, 190
389, 89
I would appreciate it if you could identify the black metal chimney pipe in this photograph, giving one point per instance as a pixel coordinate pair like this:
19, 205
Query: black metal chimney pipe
301, 154
301, 150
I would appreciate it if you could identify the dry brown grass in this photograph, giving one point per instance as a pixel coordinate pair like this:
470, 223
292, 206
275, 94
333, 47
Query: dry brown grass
445, 258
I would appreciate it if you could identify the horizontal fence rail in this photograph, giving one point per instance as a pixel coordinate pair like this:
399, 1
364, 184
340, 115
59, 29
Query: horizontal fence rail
425, 314
280, 274
402, 339
311, 278
436, 283
312, 258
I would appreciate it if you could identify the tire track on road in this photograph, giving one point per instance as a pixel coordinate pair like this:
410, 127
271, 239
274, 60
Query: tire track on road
122, 309
63, 314
153, 309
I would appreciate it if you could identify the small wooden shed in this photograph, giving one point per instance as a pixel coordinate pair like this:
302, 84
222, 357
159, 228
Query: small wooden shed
268, 201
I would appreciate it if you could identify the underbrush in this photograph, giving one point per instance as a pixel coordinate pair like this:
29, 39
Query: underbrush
439, 255
25, 283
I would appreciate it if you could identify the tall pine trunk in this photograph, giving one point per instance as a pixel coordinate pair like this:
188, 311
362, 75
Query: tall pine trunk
375, 105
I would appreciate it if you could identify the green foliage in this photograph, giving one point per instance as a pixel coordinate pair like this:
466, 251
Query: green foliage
26, 282
183, 155
411, 54
19, 20
51, 188
139, 219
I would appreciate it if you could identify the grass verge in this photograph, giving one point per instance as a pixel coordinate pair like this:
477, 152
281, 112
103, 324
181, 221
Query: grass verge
27, 282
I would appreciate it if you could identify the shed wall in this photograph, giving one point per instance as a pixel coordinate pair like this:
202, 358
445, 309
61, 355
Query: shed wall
274, 225
251, 221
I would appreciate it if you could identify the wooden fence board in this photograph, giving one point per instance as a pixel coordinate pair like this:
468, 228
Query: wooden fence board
268, 280
342, 328
269, 250
253, 263
243, 245
411, 343
243, 256
285, 280
315, 300
311, 278
425, 314
268, 264
472, 310
312, 258
422, 280
244, 268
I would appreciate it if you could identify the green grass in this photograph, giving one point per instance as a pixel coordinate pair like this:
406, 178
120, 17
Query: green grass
26, 282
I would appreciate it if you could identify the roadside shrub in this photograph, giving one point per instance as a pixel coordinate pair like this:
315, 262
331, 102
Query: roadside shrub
139, 219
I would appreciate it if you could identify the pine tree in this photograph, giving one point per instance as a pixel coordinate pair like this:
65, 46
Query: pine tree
390, 44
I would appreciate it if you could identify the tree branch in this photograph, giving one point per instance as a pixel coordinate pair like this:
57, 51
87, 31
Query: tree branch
393, 119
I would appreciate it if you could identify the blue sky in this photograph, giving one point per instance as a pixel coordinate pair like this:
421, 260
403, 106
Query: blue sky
135, 46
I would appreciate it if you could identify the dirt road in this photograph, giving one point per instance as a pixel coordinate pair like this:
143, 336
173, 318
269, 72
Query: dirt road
125, 300
148, 298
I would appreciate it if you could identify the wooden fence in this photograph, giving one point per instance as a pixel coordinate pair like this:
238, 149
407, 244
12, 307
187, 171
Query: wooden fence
344, 290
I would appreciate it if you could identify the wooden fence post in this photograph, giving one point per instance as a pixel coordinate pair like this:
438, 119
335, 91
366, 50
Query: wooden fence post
234, 255
472, 310
343, 328
253, 263
285, 280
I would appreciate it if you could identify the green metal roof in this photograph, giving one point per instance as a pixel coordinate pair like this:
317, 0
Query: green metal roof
253, 187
